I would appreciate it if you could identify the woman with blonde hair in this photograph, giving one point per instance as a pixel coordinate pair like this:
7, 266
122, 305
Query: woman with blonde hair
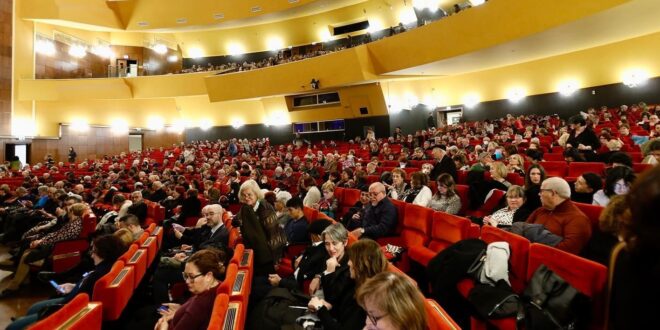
498, 173
392, 302
516, 164
338, 309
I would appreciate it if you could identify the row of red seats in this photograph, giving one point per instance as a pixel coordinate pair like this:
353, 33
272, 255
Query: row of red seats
230, 306
111, 292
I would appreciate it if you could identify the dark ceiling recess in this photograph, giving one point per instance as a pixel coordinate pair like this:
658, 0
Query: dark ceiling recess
337, 30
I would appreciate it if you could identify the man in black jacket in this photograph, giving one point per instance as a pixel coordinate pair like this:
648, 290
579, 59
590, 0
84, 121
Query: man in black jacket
380, 217
310, 263
444, 164
139, 208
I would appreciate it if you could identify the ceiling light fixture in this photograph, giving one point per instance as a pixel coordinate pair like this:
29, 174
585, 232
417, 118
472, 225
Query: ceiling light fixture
567, 88
635, 77
160, 49
516, 94
45, 47
172, 58
471, 100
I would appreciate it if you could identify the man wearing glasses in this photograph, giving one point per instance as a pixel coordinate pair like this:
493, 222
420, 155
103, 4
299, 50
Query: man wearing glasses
561, 217
380, 217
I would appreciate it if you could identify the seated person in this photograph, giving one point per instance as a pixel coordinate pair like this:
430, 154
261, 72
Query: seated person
131, 223
380, 217
418, 193
139, 208
209, 232
328, 203
504, 217
104, 251
310, 263
296, 228
617, 182
561, 217
353, 218
586, 186
203, 273
337, 307
610, 223
392, 301
446, 199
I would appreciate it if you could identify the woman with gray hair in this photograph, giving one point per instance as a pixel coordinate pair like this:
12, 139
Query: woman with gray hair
259, 228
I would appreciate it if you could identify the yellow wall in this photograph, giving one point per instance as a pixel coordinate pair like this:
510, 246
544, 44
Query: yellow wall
592, 67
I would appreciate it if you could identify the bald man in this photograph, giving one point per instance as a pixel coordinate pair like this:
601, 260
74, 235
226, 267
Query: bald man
380, 217
561, 217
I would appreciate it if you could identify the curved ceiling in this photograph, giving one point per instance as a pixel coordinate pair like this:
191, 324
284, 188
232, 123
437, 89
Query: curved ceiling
172, 15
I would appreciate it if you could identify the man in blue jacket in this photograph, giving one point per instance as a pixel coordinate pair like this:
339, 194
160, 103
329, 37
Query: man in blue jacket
380, 217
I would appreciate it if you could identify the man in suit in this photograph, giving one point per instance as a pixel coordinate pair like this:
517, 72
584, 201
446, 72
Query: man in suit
443, 164
209, 232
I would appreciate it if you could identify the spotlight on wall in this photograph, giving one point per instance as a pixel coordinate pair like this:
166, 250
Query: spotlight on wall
78, 51
119, 127
205, 124
45, 47
195, 52
103, 51
515, 95
155, 123
471, 100
635, 77
475, 3
172, 58
160, 49
237, 123
567, 88
79, 125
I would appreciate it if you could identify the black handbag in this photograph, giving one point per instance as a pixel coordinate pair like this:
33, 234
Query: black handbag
552, 303
494, 302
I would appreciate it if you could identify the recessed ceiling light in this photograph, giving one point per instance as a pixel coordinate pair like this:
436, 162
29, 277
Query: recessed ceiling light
255, 9
293, 1
219, 16
143, 24
182, 20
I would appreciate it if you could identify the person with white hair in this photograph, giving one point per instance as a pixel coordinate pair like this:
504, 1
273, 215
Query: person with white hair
260, 229
280, 207
561, 217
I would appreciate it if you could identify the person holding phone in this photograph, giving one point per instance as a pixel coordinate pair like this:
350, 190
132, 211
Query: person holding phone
104, 252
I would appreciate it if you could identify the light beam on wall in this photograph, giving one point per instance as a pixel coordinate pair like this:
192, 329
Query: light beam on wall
471, 100
635, 77
568, 87
516, 94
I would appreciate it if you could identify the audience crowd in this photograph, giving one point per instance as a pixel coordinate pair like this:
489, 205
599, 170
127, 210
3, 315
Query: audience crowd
209, 187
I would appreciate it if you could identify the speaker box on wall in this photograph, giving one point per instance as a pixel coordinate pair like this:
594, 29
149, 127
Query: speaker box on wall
364, 111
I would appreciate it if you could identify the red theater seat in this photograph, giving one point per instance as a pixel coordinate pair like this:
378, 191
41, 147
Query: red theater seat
437, 318
555, 168
77, 314
592, 212
576, 169
114, 290
519, 248
446, 229
230, 277
220, 306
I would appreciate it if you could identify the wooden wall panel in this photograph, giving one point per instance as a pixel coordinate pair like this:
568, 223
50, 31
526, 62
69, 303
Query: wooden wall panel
95, 143
6, 7
64, 66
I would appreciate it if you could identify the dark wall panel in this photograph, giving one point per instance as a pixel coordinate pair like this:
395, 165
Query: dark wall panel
284, 134
410, 121
554, 103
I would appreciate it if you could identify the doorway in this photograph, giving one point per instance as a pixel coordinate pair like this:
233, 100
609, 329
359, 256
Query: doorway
22, 151
135, 142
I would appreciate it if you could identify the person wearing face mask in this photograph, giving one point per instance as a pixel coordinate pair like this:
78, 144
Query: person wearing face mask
104, 251
617, 182
338, 308
392, 302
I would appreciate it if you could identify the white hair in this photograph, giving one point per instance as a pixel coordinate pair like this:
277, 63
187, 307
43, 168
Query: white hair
558, 185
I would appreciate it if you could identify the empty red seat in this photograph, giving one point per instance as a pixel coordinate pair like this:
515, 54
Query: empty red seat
519, 248
576, 169
138, 259
446, 229
416, 227
463, 191
151, 245
592, 212
559, 168
230, 277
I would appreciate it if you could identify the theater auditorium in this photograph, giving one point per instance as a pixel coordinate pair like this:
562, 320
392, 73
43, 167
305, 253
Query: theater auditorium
329, 164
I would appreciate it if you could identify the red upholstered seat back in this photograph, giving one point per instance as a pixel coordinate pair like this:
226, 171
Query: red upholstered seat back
230, 277
219, 311
114, 290
592, 212
447, 229
576, 169
416, 225
558, 168
586, 276
79, 313
519, 248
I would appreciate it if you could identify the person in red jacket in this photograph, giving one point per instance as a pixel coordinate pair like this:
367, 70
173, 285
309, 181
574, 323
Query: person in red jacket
561, 217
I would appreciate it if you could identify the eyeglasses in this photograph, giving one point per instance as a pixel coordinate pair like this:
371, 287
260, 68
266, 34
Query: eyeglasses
544, 189
374, 319
190, 278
